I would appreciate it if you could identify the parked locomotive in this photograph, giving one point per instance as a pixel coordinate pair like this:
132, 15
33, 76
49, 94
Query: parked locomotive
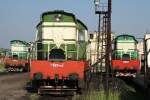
59, 54
17, 60
125, 57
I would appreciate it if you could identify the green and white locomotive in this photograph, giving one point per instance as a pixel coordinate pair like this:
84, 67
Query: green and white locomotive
125, 57
60, 54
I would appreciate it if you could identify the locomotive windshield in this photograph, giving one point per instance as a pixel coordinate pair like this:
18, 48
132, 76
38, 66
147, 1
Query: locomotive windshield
56, 54
15, 56
125, 57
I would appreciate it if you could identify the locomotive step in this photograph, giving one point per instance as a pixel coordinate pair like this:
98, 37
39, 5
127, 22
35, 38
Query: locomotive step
58, 90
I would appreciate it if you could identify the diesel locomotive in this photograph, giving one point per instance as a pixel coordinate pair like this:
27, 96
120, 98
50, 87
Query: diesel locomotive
125, 57
59, 54
17, 61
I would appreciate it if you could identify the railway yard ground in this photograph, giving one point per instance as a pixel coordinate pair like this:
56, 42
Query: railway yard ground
13, 88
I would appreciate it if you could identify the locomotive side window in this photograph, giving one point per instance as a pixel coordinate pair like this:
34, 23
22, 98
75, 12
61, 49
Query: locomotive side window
81, 36
56, 54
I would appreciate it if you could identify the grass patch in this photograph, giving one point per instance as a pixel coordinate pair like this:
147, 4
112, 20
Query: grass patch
2, 67
98, 95
117, 91
34, 97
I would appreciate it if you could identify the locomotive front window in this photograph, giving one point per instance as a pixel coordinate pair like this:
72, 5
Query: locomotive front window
56, 54
15, 56
125, 57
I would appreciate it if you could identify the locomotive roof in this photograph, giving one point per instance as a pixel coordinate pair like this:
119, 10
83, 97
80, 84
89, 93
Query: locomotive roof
23, 42
126, 35
56, 12
62, 12
79, 21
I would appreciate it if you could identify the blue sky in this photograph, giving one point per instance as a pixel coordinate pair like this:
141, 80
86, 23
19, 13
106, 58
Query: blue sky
18, 18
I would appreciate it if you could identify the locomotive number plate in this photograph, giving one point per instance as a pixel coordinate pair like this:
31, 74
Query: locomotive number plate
125, 62
57, 65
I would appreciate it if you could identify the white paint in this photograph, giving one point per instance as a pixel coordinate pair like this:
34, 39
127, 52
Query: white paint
148, 45
58, 34
18, 48
147, 39
140, 47
126, 46
64, 32
148, 59
54, 65
59, 24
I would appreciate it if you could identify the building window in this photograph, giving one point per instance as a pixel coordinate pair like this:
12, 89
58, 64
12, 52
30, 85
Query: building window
91, 36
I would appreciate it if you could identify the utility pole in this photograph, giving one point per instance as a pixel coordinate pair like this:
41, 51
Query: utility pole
107, 28
108, 47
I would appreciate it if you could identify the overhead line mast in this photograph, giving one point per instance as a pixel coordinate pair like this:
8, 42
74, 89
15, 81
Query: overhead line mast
106, 13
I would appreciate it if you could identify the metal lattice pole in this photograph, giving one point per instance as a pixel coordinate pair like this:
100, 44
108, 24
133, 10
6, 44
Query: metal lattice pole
108, 48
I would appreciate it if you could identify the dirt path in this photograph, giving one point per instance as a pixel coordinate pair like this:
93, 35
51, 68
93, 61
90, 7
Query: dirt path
12, 87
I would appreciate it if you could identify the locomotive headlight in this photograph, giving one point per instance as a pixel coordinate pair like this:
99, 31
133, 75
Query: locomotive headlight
38, 76
58, 17
73, 76
70, 56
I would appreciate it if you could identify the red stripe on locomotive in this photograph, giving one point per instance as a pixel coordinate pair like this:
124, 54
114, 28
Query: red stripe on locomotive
125, 65
63, 69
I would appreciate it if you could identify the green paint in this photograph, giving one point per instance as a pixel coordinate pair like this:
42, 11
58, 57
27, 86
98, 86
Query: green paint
71, 47
125, 41
2, 67
125, 38
62, 46
82, 50
80, 26
24, 43
52, 18
39, 46
57, 26
133, 54
52, 46
45, 47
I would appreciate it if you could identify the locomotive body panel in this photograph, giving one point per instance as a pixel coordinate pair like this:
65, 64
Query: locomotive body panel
63, 69
126, 65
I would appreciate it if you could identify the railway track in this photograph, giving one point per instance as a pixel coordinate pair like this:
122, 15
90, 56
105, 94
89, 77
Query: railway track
133, 90
10, 73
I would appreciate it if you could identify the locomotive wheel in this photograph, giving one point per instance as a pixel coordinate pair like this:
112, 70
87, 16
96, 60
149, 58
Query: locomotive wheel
26, 68
32, 86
